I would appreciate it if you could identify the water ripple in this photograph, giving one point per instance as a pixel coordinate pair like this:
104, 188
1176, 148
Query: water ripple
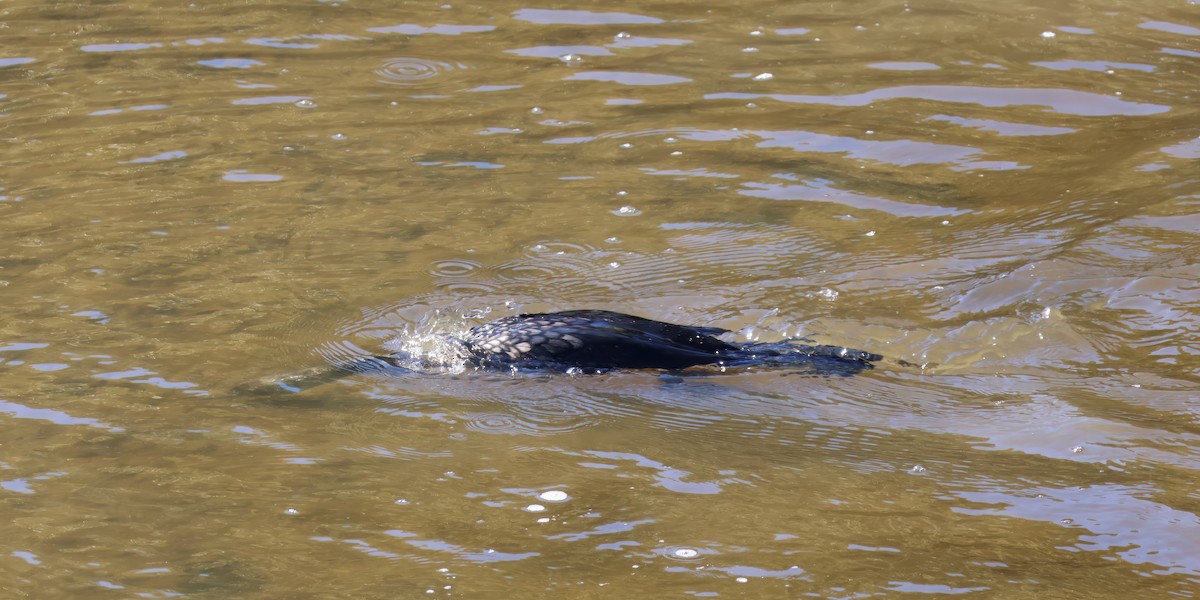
57, 417
628, 78
581, 17
413, 71
454, 268
501, 423
1070, 102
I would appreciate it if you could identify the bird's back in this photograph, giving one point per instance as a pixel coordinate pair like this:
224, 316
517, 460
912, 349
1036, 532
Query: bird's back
593, 340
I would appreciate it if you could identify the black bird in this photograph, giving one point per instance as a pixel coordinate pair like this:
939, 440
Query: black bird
594, 341
600, 340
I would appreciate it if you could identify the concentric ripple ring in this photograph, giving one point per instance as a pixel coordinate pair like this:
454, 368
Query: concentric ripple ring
407, 70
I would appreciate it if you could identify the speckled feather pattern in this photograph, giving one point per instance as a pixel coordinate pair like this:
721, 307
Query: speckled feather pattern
517, 336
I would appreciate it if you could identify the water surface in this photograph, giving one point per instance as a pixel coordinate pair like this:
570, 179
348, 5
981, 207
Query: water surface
1001, 198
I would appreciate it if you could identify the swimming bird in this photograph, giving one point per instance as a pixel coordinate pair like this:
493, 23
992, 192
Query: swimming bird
595, 341
601, 340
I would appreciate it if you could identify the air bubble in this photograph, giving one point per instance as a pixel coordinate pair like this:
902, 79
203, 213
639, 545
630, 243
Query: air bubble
306, 103
627, 211
553, 496
338, 136
764, 77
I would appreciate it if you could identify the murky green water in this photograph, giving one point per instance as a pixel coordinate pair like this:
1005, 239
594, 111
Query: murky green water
1002, 194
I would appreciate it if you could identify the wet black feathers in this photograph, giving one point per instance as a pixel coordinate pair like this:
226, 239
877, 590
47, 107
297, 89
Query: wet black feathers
593, 340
